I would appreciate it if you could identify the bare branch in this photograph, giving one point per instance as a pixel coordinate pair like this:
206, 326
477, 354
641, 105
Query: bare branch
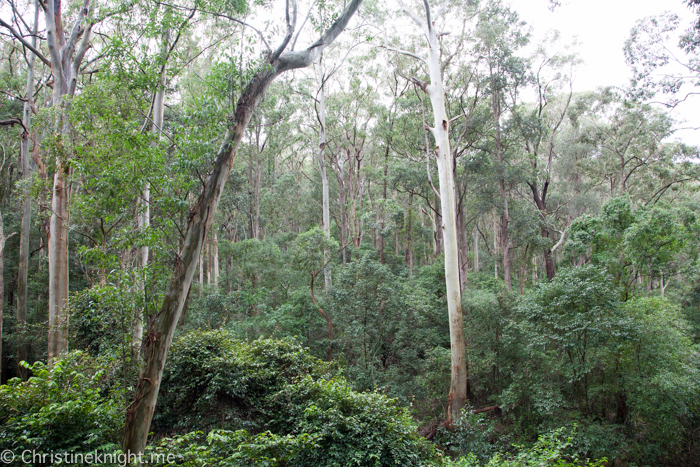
301, 28
291, 26
19, 37
304, 58
404, 52
413, 16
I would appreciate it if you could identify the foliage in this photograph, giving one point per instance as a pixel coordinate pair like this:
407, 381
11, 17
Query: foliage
552, 449
293, 408
66, 408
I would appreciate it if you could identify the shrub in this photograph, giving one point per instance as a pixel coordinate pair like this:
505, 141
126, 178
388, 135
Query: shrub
61, 409
278, 406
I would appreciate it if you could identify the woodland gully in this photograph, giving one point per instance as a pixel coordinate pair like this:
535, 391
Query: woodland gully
352, 233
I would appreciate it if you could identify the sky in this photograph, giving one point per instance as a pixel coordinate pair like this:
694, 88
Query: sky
601, 27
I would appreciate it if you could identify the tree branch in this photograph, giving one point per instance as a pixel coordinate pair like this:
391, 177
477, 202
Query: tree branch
19, 37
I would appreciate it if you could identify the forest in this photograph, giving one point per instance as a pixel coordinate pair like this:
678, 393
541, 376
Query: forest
343, 233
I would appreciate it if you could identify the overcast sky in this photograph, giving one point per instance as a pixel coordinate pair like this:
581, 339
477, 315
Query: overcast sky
602, 26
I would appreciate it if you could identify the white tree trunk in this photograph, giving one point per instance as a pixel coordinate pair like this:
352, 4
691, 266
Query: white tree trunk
215, 259
457, 397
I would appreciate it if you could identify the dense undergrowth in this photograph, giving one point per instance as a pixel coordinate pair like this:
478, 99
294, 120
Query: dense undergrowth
578, 370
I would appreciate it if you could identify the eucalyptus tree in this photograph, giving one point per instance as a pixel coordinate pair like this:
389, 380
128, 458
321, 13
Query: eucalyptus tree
632, 153
25, 225
501, 33
435, 65
67, 50
659, 70
542, 125
162, 327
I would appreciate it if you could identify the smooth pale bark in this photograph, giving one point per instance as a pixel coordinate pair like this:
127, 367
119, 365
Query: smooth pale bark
208, 254
162, 328
462, 239
66, 56
144, 204
321, 114
457, 397
201, 272
25, 223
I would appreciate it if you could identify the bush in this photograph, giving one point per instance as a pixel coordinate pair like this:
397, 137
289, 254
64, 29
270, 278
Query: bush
277, 405
553, 449
61, 409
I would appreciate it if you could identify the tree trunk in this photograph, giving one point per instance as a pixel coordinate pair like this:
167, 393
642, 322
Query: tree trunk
58, 263
25, 225
321, 109
505, 214
144, 202
457, 397
66, 58
215, 259
159, 337
201, 272
463, 242
476, 249
408, 256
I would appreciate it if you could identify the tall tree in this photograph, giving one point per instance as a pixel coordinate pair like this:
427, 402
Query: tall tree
457, 397
162, 328
25, 224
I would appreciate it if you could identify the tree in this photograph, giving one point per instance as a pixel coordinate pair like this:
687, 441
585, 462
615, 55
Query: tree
3, 239
26, 201
162, 327
457, 397
541, 127
311, 255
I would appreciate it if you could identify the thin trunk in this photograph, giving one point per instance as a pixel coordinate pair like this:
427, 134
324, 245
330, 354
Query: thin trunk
201, 272
208, 254
329, 350
321, 109
463, 244
384, 192
495, 245
159, 337
25, 225
476, 249
408, 256
144, 201
505, 214
215, 259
